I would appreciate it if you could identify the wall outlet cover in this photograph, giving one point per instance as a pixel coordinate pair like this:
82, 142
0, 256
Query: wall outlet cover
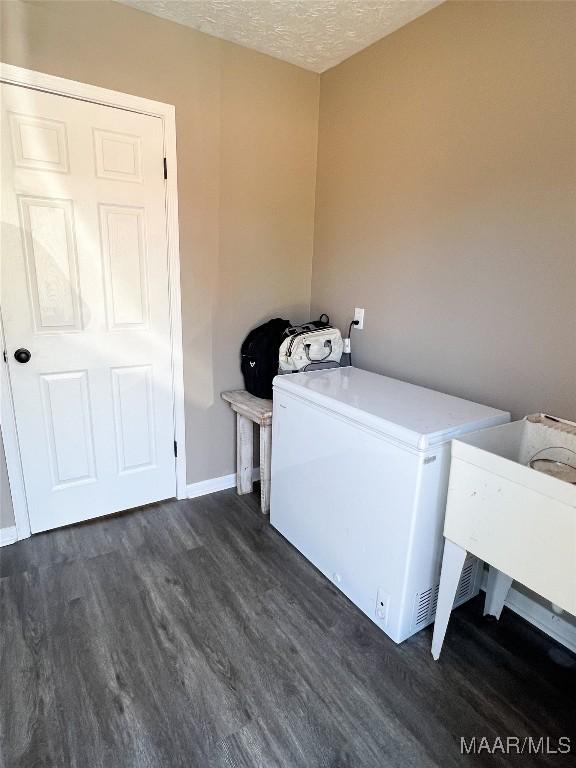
359, 316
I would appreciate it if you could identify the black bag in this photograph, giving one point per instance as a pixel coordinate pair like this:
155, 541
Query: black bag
322, 321
259, 356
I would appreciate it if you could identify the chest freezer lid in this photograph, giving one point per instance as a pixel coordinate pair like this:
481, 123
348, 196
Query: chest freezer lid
414, 415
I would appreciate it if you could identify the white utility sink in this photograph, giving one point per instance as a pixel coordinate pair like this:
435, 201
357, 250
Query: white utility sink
520, 520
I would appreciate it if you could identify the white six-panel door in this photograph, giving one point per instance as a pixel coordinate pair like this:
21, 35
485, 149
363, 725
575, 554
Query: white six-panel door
84, 288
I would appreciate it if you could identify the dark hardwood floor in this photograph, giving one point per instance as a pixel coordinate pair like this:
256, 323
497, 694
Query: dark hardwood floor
192, 634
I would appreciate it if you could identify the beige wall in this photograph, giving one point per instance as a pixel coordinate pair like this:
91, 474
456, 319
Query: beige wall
6, 511
446, 203
247, 137
445, 197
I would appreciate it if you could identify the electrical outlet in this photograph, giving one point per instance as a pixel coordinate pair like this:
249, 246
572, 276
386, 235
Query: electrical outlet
359, 315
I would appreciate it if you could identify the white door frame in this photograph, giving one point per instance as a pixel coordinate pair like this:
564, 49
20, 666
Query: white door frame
166, 112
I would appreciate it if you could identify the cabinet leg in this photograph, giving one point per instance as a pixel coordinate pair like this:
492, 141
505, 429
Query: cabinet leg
496, 590
244, 454
265, 467
452, 564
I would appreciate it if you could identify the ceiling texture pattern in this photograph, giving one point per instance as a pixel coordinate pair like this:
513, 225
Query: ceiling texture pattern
314, 34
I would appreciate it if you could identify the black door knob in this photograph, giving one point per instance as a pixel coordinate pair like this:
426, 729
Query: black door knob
22, 355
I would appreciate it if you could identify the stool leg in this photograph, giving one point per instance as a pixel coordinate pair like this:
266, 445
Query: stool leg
244, 455
496, 590
265, 467
452, 564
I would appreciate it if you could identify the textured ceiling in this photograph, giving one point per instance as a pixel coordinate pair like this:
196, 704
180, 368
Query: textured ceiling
314, 34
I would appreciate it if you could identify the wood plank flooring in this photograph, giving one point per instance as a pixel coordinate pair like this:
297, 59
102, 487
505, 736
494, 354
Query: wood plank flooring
192, 634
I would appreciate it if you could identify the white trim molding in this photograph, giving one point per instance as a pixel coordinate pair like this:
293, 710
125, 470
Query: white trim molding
537, 611
8, 536
553, 624
167, 113
215, 484
204, 487
12, 450
40, 81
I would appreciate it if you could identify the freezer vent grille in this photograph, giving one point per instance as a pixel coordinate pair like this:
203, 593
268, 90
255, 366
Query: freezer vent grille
434, 602
426, 606
466, 582
427, 601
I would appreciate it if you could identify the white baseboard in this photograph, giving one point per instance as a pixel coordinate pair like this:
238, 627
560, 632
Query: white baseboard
538, 612
204, 487
8, 536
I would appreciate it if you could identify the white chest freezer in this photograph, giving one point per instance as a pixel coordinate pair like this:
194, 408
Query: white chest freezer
360, 468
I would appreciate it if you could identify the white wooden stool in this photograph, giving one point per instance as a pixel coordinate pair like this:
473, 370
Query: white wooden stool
249, 410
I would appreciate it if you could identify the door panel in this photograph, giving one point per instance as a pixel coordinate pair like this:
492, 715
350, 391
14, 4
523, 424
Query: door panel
125, 266
118, 156
85, 289
37, 143
68, 419
51, 263
134, 417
